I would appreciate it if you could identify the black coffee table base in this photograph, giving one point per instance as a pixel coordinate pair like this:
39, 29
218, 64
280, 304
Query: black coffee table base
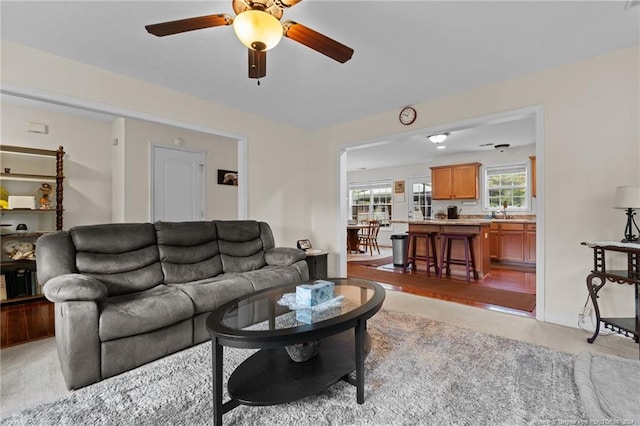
271, 377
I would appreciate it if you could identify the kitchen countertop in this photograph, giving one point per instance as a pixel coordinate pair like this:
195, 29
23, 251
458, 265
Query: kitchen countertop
468, 222
463, 222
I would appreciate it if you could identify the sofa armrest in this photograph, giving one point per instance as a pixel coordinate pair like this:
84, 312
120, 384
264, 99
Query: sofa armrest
284, 256
74, 287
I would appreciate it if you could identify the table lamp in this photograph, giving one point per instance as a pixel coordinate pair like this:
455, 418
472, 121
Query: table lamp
628, 198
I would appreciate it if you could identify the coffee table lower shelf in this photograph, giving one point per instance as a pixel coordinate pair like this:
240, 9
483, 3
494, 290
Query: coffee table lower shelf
270, 377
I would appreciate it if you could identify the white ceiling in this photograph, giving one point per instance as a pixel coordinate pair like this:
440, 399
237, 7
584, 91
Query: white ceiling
406, 52
516, 131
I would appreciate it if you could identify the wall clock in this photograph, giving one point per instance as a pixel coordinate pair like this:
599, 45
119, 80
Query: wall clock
408, 115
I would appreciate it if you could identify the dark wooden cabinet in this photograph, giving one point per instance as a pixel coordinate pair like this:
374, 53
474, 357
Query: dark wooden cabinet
317, 263
25, 314
455, 182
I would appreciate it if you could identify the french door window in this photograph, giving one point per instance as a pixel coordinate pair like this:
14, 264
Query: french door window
371, 200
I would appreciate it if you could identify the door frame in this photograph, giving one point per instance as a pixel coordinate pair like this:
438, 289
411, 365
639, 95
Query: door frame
537, 111
152, 180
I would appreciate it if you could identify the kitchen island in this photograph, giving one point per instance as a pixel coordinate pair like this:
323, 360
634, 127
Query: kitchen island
480, 228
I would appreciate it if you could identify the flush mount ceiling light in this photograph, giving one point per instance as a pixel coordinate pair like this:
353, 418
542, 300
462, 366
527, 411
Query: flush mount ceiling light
439, 138
441, 147
502, 147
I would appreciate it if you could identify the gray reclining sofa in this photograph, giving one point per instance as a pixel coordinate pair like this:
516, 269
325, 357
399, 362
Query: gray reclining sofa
127, 294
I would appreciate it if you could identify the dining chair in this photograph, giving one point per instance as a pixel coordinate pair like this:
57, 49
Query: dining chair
369, 237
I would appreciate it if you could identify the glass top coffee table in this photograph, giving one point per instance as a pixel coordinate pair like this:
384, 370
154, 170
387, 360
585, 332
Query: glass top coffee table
335, 343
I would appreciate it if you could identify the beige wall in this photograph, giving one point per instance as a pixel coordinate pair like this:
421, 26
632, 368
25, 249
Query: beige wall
87, 197
591, 145
139, 135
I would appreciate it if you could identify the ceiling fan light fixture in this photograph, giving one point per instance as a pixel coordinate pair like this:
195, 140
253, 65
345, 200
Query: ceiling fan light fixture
258, 30
439, 138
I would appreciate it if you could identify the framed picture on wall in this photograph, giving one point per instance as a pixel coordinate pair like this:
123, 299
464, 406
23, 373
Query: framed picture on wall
227, 177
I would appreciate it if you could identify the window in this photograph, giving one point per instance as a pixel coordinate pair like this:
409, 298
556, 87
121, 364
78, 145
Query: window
506, 184
419, 194
371, 200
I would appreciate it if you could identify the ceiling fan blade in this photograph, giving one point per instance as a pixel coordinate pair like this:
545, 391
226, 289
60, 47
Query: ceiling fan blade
316, 41
257, 63
188, 24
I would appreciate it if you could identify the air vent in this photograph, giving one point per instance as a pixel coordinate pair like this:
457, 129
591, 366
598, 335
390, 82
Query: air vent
486, 144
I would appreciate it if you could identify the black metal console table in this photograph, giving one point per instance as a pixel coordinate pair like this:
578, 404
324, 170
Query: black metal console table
627, 326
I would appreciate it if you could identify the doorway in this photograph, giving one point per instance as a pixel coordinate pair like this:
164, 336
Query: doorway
537, 139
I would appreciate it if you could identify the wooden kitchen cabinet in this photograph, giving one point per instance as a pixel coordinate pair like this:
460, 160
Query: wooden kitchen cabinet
494, 241
530, 243
454, 182
513, 242
533, 175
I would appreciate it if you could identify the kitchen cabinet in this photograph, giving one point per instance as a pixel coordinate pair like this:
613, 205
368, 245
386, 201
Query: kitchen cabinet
530, 243
533, 175
513, 242
494, 241
455, 182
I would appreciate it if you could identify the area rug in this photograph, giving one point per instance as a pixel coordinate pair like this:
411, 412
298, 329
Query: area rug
451, 290
418, 372
609, 388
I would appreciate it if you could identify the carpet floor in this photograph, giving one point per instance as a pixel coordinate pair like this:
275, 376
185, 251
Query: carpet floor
451, 290
418, 372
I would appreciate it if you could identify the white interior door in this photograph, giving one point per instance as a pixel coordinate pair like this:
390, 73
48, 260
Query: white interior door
178, 184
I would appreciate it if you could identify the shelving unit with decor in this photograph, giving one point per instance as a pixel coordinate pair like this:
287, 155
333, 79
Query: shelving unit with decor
24, 170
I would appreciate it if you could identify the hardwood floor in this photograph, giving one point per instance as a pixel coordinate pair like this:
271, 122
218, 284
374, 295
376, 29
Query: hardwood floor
510, 278
24, 322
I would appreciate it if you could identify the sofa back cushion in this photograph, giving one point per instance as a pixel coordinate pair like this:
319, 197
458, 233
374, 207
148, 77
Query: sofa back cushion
123, 256
241, 245
188, 251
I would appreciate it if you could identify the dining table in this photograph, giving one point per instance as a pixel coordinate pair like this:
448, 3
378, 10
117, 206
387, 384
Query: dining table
353, 237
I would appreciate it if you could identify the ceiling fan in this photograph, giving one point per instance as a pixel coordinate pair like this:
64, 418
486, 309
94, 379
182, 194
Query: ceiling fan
257, 25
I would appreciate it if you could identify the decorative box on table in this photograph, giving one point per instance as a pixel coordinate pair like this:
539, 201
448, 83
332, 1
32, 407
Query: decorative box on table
314, 294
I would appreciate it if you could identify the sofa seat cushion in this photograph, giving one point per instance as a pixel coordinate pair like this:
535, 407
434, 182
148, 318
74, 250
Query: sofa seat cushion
209, 294
143, 311
270, 276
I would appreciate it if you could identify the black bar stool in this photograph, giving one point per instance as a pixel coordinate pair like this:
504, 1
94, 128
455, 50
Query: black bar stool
469, 260
431, 256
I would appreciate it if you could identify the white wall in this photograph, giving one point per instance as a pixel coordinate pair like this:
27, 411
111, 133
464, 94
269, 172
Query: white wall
591, 128
87, 166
